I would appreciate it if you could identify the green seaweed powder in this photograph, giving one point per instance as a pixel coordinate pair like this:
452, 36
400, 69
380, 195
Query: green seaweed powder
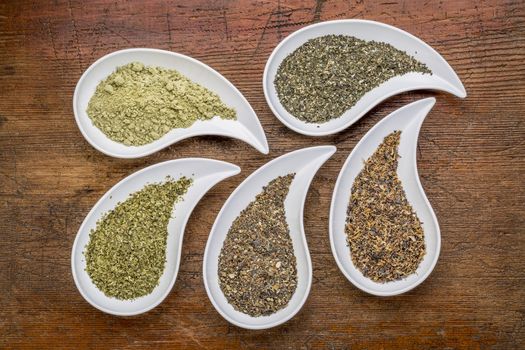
137, 104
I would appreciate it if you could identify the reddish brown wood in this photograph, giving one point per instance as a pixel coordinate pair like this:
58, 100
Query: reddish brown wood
471, 161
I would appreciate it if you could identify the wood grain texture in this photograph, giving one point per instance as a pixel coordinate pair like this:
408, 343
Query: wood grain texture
471, 161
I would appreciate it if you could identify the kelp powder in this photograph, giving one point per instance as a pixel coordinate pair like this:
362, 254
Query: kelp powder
137, 104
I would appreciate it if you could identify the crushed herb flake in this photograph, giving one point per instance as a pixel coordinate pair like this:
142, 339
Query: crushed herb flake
384, 234
326, 76
257, 266
126, 252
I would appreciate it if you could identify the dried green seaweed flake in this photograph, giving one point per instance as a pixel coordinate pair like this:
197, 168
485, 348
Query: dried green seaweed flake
257, 266
326, 76
126, 252
385, 236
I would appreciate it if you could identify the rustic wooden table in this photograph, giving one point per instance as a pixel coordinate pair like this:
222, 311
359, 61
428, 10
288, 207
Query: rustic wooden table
471, 160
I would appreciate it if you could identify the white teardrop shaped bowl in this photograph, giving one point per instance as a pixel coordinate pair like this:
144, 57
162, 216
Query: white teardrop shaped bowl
443, 78
205, 174
246, 128
305, 163
408, 120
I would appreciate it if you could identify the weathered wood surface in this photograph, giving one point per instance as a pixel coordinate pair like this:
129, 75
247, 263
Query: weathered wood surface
471, 160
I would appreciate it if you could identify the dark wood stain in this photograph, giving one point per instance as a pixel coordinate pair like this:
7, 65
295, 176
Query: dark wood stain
471, 160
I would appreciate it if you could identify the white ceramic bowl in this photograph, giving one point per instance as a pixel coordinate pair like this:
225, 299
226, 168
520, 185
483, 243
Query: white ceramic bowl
407, 119
443, 78
205, 174
304, 163
246, 128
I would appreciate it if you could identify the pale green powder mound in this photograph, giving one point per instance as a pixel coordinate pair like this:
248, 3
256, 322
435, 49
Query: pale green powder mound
139, 104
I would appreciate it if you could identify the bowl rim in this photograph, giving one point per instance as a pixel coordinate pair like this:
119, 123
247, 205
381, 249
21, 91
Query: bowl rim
285, 119
330, 149
421, 278
263, 146
234, 170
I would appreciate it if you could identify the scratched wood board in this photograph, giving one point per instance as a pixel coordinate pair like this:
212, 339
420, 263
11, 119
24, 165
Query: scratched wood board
471, 160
